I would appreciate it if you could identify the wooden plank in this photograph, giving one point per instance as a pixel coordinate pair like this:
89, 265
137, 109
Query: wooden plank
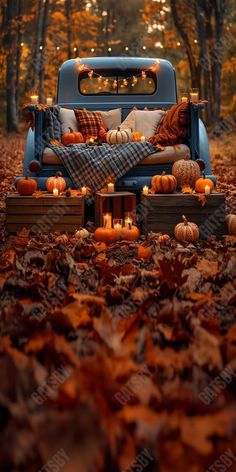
37, 219
185, 200
114, 194
46, 201
38, 210
117, 207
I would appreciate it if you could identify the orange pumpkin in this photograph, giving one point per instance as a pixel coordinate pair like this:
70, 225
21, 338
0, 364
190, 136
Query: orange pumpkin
164, 183
136, 136
72, 137
144, 252
56, 182
164, 238
202, 183
130, 233
106, 235
26, 186
186, 231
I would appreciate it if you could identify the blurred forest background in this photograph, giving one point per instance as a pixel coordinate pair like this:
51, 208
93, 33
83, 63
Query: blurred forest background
197, 36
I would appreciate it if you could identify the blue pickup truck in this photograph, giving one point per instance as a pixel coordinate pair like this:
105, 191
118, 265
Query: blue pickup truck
157, 90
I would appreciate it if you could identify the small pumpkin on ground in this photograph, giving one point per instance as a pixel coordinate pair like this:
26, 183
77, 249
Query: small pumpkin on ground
72, 138
164, 183
186, 172
82, 233
164, 238
119, 136
106, 235
201, 183
144, 252
56, 182
231, 224
26, 186
130, 233
186, 231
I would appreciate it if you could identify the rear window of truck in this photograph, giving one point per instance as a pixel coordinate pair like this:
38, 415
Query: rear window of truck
131, 82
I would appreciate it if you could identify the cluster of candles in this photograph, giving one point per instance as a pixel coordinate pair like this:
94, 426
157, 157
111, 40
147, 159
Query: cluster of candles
193, 95
34, 100
117, 222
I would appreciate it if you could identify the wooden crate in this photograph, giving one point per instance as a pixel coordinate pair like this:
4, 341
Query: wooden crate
161, 212
117, 203
45, 214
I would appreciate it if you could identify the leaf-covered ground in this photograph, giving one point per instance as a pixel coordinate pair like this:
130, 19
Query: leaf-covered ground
115, 363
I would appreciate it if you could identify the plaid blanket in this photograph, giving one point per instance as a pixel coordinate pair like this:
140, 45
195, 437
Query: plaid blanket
93, 166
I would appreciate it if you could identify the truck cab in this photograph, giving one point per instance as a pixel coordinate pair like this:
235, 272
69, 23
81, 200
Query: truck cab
111, 85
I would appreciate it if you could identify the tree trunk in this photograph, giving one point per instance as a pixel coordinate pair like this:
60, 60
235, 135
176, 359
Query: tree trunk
203, 18
192, 65
18, 50
219, 12
43, 50
9, 40
68, 11
38, 34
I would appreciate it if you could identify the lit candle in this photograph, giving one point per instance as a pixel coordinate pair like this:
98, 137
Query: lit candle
128, 222
84, 190
207, 190
49, 101
142, 138
91, 140
145, 190
184, 99
110, 187
194, 95
107, 220
55, 192
34, 99
117, 224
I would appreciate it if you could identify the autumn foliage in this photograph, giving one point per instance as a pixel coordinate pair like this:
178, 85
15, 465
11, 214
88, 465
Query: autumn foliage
105, 354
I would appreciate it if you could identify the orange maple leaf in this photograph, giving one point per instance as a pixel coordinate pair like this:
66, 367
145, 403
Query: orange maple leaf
38, 194
201, 198
187, 189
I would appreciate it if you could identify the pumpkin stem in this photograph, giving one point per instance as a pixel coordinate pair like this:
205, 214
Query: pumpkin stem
185, 220
71, 130
203, 174
27, 174
58, 174
118, 128
163, 173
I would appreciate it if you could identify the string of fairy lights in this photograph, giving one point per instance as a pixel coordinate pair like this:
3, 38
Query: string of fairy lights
124, 82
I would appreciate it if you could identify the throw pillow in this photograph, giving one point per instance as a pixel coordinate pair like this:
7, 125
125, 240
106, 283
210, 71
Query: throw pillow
89, 122
144, 121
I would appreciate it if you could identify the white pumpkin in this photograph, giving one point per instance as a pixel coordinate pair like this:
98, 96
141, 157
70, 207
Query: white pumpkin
231, 224
82, 233
118, 136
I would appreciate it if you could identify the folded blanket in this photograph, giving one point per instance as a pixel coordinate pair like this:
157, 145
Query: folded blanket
92, 166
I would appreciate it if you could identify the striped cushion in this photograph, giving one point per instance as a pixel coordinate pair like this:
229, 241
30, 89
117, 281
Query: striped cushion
89, 122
